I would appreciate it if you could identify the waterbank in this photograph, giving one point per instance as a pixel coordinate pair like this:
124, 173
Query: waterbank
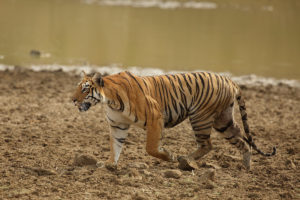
250, 80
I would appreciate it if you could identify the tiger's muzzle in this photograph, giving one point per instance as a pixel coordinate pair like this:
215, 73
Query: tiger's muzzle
84, 106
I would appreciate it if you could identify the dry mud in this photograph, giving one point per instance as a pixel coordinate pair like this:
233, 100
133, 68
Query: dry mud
48, 150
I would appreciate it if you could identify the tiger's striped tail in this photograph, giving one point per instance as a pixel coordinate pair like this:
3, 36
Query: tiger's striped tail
248, 139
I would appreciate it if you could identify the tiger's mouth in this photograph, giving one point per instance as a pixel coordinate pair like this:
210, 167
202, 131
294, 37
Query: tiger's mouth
84, 106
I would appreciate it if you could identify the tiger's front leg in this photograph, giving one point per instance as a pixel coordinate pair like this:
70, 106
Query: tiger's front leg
118, 134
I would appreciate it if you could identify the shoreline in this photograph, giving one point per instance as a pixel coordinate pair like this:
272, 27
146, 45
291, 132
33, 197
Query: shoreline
178, 4
251, 79
207, 5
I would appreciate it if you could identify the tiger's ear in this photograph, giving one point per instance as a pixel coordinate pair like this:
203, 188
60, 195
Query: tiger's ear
83, 73
97, 78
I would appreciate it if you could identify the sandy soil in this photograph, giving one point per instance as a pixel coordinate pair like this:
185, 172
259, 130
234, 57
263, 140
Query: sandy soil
41, 134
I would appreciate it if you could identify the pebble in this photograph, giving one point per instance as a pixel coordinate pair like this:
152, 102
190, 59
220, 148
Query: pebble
41, 172
172, 173
139, 196
207, 175
84, 160
139, 165
290, 164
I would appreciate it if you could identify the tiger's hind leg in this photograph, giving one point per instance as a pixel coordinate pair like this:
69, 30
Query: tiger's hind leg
202, 130
231, 131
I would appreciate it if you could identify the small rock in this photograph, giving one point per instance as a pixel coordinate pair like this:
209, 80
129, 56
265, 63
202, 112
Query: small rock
143, 166
41, 172
84, 160
172, 173
290, 164
139, 196
139, 165
146, 172
110, 166
210, 165
207, 175
225, 164
100, 164
133, 173
209, 185
186, 164
291, 151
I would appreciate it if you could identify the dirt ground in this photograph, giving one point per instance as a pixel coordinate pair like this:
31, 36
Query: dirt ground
41, 134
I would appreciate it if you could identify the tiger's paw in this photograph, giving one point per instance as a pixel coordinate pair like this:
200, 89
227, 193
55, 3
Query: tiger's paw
168, 156
187, 164
110, 166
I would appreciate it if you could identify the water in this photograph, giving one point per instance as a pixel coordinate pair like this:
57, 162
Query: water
240, 37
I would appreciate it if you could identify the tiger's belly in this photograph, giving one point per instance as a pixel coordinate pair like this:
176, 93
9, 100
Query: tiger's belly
172, 119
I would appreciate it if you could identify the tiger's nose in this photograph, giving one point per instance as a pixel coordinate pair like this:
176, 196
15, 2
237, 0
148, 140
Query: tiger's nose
74, 101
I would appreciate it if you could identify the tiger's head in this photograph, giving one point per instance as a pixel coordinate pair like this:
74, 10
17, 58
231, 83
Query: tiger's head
88, 92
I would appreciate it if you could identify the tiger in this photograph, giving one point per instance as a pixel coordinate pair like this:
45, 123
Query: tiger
163, 101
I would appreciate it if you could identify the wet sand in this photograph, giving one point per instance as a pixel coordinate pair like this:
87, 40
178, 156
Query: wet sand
41, 134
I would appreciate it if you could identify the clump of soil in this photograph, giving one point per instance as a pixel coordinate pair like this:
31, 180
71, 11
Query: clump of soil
84, 160
41, 132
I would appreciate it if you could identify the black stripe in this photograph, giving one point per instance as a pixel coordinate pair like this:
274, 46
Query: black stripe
221, 130
112, 81
242, 108
234, 143
157, 85
202, 98
163, 94
135, 118
187, 83
202, 136
168, 123
135, 81
180, 83
201, 129
121, 140
229, 138
126, 80
195, 125
118, 127
212, 92
174, 104
109, 119
173, 86
199, 98
182, 115
145, 124
244, 117
121, 103
146, 85
183, 99
218, 84
196, 95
